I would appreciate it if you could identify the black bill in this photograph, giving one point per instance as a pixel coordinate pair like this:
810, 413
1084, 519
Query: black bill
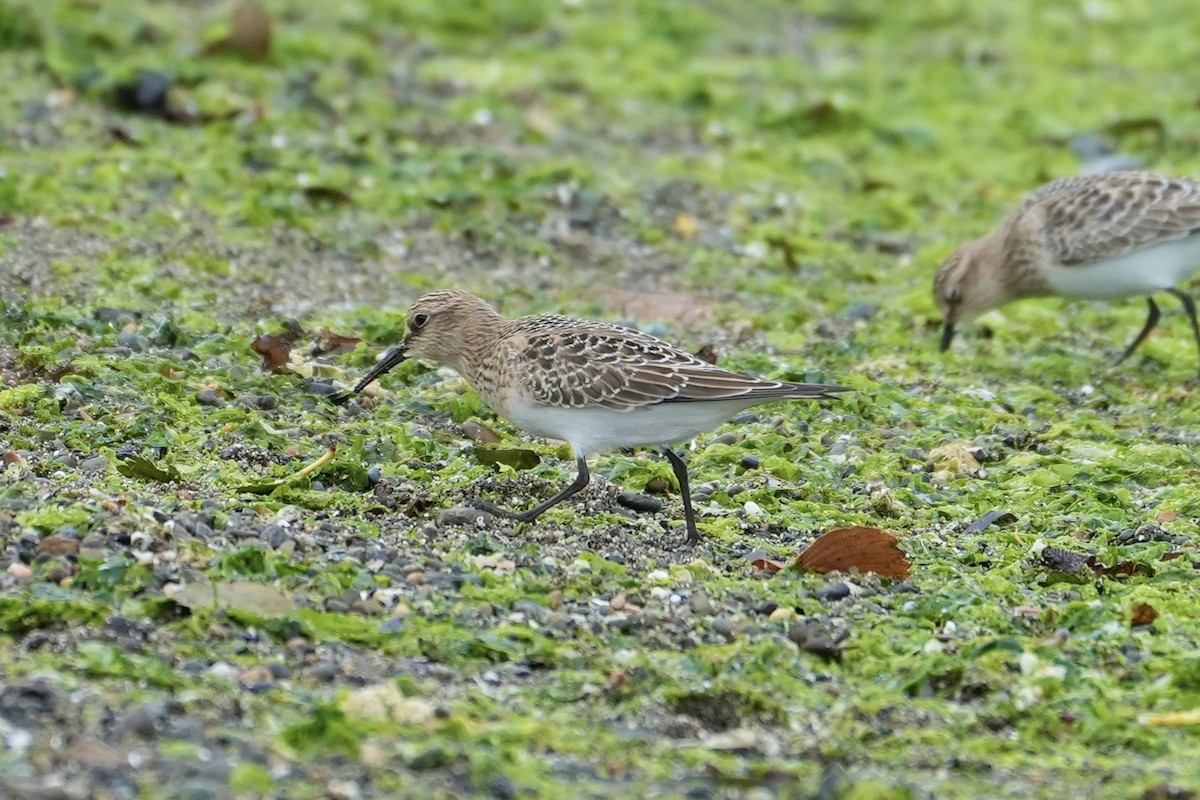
391, 358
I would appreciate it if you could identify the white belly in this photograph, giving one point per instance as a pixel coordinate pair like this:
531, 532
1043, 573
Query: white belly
594, 430
1141, 272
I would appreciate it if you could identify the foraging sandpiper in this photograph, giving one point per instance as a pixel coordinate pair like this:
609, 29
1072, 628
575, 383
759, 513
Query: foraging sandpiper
1100, 237
595, 386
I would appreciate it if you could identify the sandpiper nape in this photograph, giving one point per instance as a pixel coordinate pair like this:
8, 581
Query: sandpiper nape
593, 385
1104, 236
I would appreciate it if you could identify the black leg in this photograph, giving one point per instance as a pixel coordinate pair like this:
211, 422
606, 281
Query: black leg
1189, 305
581, 480
685, 490
1151, 321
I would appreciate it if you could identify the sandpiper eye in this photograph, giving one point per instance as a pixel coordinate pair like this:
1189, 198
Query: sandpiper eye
417, 321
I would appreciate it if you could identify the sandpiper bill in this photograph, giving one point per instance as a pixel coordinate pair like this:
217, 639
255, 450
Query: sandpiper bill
593, 385
1099, 237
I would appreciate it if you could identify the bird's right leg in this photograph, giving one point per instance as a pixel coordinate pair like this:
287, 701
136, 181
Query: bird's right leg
576, 486
1151, 321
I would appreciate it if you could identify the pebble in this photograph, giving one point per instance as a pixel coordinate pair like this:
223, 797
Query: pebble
19, 571
780, 614
532, 609
834, 591
134, 341
643, 503
95, 464
555, 599
209, 397
464, 515
701, 605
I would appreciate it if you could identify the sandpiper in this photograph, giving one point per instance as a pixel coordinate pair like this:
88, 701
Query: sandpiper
593, 385
1100, 237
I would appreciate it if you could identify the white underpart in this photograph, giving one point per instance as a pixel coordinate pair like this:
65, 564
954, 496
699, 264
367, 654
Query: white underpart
1140, 272
594, 430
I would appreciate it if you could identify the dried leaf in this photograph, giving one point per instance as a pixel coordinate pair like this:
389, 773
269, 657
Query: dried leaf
139, 467
256, 598
274, 350
328, 343
54, 545
761, 559
1165, 517
517, 458
1143, 614
864, 549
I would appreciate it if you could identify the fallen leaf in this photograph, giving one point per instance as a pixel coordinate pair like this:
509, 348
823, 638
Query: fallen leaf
1166, 516
760, 558
274, 350
270, 486
257, 598
139, 467
686, 226
517, 458
327, 195
990, 518
954, 458
328, 343
249, 33
864, 549
1143, 614
666, 306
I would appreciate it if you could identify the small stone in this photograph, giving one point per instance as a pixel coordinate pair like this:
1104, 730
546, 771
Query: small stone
134, 341
368, 607
95, 464
780, 614
54, 545
617, 602
20, 571
555, 599
701, 605
532, 609
415, 578
723, 625
464, 515
751, 462
639, 502
209, 397
834, 591
256, 678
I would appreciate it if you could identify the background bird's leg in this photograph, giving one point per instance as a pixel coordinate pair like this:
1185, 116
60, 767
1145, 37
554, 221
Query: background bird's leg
1151, 321
1189, 305
685, 490
581, 480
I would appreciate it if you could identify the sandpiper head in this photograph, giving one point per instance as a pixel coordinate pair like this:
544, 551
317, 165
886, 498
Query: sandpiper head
967, 284
443, 326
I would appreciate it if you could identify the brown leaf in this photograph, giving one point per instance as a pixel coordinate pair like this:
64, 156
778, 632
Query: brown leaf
864, 549
274, 350
1166, 516
328, 343
667, 306
1143, 614
761, 559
